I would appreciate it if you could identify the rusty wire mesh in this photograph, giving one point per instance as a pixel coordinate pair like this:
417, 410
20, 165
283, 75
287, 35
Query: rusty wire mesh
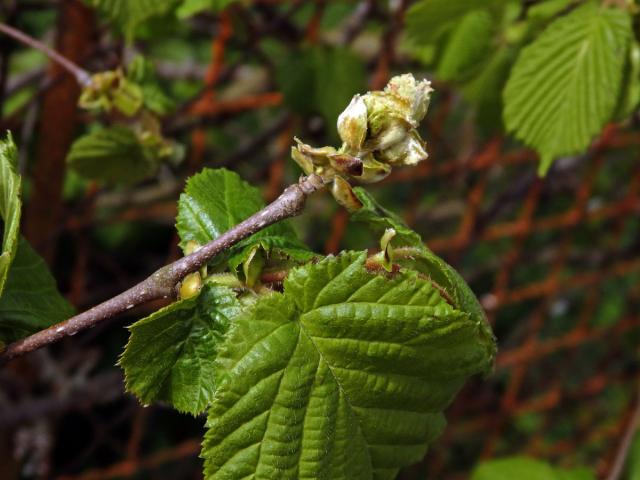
554, 261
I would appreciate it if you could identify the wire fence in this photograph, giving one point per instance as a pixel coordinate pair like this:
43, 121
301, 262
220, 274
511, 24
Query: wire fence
555, 263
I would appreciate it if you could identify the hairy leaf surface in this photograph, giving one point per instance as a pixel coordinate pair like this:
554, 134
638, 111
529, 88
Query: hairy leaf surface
30, 300
111, 155
561, 90
524, 468
10, 205
216, 200
170, 355
343, 376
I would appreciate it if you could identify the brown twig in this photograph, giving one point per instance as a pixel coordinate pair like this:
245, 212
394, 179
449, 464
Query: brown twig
82, 76
162, 283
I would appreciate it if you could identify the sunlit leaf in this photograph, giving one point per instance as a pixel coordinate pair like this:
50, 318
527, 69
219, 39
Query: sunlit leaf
214, 201
561, 91
524, 468
343, 376
170, 354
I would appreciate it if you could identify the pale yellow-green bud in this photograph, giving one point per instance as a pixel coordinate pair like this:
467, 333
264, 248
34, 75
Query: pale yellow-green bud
415, 94
378, 131
388, 135
190, 286
191, 246
352, 124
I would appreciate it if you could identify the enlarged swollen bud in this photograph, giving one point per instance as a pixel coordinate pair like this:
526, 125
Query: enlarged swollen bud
392, 118
378, 132
352, 124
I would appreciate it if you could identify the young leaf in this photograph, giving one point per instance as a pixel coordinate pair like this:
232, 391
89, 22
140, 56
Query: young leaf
469, 44
112, 155
30, 300
129, 14
484, 91
426, 19
142, 72
170, 354
422, 259
216, 200
378, 218
191, 7
630, 92
321, 80
343, 376
524, 468
10, 205
559, 94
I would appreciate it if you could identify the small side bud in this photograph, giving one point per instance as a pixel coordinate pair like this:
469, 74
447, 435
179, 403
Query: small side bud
191, 246
190, 286
387, 249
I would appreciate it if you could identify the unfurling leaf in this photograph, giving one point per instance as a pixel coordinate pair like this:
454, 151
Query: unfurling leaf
111, 90
112, 155
562, 89
343, 376
170, 354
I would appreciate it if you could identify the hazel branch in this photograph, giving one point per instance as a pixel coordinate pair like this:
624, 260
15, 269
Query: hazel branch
82, 76
163, 283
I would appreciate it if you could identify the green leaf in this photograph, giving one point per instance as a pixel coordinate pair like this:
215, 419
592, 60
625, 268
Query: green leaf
632, 467
630, 91
422, 259
170, 355
548, 9
524, 468
216, 200
468, 46
485, 90
10, 205
378, 218
321, 80
426, 19
30, 300
191, 7
343, 376
562, 89
130, 14
112, 155
142, 72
